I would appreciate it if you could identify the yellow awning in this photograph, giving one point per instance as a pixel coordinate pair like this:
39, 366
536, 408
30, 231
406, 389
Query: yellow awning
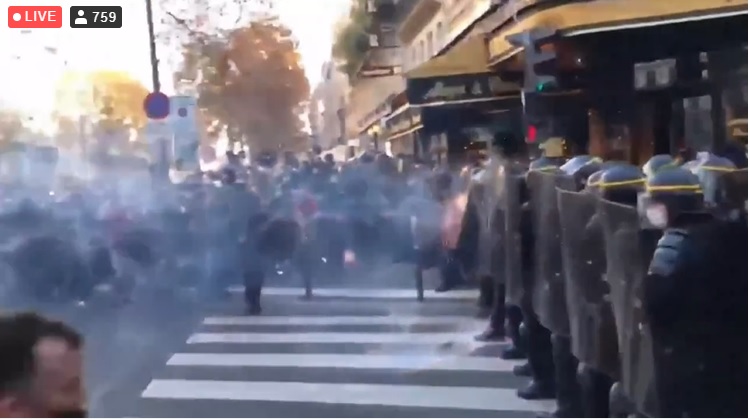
468, 57
600, 16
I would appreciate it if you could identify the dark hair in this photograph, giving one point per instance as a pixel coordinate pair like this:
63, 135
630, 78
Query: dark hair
19, 334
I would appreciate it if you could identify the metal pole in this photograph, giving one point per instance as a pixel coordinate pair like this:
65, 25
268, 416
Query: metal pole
152, 47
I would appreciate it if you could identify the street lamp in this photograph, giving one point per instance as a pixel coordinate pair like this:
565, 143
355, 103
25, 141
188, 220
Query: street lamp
152, 47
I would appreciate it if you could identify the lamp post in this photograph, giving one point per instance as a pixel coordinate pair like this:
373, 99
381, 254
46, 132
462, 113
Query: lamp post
152, 47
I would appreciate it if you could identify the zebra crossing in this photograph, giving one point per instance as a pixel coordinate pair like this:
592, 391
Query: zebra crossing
355, 358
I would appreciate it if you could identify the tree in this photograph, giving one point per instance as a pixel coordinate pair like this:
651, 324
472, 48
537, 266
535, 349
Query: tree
111, 100
11, 125
249, 78
118, 97
111, 96
352, 40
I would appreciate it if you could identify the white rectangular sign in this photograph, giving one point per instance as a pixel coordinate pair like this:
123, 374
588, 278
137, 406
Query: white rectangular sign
182, 114
186, 140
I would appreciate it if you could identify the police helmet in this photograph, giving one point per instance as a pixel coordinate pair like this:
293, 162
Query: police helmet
718, 178
657, 163
620, 182
592, 183
669, 194
581, 167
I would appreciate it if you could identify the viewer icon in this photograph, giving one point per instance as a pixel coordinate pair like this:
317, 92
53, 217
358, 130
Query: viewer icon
80, 20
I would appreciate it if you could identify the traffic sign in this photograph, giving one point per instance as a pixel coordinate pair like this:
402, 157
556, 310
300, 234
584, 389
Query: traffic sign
182, 114
156, 105
186, 135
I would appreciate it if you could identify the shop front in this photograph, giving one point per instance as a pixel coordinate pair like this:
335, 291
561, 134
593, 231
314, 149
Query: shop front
447, 99
655, 76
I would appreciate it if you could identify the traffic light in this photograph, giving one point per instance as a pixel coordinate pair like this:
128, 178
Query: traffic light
531, 134
539, 75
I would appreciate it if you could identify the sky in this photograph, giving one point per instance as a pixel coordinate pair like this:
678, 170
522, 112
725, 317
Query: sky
32, 63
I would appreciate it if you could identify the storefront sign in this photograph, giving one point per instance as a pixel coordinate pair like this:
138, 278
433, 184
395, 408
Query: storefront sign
373, 72
454, 88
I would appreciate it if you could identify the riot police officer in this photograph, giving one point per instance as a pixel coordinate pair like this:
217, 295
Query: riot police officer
537, 338
573, 175
659, 162
505, 319
597, 347
695, 291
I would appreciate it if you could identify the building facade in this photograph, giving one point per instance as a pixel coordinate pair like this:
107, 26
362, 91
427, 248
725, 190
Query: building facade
328, 103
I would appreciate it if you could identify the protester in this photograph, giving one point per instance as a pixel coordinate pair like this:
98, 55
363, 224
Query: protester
41, 368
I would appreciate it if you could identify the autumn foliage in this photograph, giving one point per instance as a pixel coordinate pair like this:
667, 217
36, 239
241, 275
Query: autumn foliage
118, 97
111, 96
111, 101
10, 126
249, 80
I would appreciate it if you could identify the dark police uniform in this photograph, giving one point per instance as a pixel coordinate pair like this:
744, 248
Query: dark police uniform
695, 295
597, 348
537, 337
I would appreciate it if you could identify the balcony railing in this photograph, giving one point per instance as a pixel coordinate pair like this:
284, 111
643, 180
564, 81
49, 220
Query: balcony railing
381, 62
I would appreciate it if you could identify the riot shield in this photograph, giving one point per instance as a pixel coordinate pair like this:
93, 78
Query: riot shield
492, 187
511, 238
549, 285
592, 327
628, 253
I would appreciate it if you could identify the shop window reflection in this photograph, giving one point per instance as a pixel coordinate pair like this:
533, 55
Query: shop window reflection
699, 133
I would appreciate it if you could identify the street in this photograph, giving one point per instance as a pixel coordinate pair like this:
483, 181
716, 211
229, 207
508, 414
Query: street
349, 352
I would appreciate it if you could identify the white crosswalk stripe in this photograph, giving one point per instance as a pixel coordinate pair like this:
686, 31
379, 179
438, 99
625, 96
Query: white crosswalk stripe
359, 293
409, 361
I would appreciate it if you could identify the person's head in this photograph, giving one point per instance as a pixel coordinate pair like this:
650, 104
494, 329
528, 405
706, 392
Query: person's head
41, 368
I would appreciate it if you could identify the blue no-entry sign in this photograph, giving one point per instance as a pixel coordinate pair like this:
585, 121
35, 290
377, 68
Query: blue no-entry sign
156, 105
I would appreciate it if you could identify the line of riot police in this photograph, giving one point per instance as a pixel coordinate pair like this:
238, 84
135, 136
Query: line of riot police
624, 288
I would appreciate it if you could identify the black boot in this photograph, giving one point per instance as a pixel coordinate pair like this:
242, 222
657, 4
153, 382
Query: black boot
619, 405
253, 282
512, 352
595, 387
539, 346
513, 328
253, 303
496, 329
568, 392
523, 370
537, 390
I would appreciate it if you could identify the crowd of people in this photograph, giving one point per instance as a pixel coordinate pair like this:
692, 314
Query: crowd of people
623, 287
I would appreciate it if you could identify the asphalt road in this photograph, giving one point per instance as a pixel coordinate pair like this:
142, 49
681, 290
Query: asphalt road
341, 355
350, 352
124, 344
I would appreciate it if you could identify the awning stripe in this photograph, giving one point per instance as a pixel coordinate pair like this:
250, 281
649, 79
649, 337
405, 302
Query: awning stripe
611, 15
406, 132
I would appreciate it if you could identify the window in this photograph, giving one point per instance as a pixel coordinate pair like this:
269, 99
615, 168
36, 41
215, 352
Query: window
430, 44
439, 36
421, 55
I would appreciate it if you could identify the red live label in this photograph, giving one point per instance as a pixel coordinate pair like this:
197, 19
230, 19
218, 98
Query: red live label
34, 17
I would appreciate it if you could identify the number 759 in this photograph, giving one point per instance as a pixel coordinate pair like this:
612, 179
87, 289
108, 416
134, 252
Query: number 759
105, 17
